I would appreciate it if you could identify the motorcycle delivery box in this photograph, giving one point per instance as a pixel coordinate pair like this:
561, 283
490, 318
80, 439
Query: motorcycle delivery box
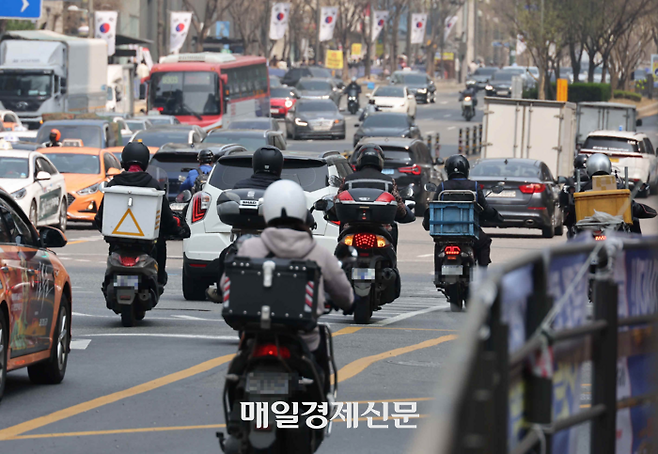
132, 212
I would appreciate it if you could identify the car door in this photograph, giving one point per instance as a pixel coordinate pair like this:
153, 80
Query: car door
551, 184
50, 192
56, 177
653, 160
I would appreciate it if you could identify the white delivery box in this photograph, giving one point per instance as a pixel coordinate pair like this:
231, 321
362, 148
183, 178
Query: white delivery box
132, 212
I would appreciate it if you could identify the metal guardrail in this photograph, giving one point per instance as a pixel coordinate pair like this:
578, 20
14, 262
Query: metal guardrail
472, 411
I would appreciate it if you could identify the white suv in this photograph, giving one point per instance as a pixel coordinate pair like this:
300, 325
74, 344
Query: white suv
627, 149
210, 236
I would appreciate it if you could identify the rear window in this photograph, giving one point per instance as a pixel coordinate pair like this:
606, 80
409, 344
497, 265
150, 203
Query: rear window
610, 144
251, 143
175, 164
397, 155
510, 170
310, 175
161, 137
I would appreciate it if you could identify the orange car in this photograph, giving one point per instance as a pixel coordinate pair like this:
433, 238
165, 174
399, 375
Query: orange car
84, 170
35, 298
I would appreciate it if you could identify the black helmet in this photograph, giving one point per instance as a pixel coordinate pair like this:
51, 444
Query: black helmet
580, 161
370, 155
135, 153
267, 160
457, 165
206, 156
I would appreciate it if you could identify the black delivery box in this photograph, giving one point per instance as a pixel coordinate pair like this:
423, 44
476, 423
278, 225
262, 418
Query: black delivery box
289, 288
366, 205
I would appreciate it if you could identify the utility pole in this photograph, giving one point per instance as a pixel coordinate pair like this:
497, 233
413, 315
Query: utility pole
318, 17
409, 27
92, 24
369, 42
266, 31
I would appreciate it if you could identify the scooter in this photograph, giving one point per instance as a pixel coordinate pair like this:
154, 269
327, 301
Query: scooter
468, 111
353, 101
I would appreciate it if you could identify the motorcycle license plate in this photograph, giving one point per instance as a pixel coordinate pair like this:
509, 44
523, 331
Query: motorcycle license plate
452, 270
126, 281
267, 383
363, 274
468, 103
388, 171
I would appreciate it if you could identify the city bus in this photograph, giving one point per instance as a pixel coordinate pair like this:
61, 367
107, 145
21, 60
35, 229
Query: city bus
210, 89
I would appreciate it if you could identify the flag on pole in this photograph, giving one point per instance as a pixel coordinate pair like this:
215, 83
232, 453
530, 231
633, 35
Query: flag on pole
450, 24
418, 22
328, 16
106, 28
180, 25
520, 45
279, 20
378, 22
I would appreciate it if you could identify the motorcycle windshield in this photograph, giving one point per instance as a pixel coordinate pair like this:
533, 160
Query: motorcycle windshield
352, 92
159, 174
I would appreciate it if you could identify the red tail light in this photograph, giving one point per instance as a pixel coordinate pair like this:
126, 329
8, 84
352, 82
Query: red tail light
365, 240
159, 109
200, 205
599, 237
385, 197
345, 196
128, 261
353, 167
481, 186
452, 250
265, 350
532, 188
414, 169
335, 222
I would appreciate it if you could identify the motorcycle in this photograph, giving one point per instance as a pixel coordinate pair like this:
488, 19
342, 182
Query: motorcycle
468, 110
353, 101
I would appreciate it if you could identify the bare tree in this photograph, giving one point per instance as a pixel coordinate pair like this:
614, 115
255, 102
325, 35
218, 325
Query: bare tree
202, 24
629, 51
395, 12
247, 17
349, 16
440, 12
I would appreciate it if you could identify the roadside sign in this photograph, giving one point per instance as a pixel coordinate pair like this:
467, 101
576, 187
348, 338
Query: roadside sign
654, 65
20, 9
334, 59
356, 49
562, 90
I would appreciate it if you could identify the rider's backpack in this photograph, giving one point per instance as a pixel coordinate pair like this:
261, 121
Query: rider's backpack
201, 179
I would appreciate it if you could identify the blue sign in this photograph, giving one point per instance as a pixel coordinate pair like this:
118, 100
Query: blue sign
222, 28
20, 9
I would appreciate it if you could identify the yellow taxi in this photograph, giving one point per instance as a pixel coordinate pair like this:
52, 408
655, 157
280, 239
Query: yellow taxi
84, 170
35, 298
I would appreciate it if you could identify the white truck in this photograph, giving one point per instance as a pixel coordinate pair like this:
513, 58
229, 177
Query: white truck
46, 72
120, 89
531, 129
609, 116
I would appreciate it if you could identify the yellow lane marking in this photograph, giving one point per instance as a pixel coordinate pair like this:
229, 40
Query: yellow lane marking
77, 242
346, 330
361, 364
36, 423
413, 329
585, 405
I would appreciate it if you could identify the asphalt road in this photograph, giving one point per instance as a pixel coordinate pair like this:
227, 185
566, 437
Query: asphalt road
157, 387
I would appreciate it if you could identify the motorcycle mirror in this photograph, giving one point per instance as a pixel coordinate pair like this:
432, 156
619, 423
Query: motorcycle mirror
439, 161
562, 180
497, 189
407, 193
431, 187
335, 181
184, 196
323, 205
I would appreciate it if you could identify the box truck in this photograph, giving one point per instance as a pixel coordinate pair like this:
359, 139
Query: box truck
46, 72
120, 89
605, 116
531, 129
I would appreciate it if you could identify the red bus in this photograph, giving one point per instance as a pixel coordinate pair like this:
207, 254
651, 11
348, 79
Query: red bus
210, 89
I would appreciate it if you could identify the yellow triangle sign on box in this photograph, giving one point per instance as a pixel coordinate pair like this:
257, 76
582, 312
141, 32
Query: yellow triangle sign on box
133, 230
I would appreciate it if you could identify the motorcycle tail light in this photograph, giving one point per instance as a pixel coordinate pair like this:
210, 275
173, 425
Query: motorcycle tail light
345, 196
381, 241
532, 188
452, 250
128, 261
365, 240
414, 169
200, 205
386, 197
271, 350
348, 240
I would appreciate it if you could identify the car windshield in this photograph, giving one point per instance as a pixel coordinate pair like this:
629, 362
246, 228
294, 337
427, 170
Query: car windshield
503, 76
309, 174
508, 168
13, 167
317, 106
250, 124
25, 85
185, 93
75, 163
391, 92
386, 121
610, 144
484, 71
90, 135
416, 79
251, 143
281, 92
314, 85
158, 138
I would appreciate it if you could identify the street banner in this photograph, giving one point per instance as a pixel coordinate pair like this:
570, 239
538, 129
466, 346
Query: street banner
378, 22
334, 59
106, 28
279, 20
418, 22
356, 49
328, 16
520, 45
179, 26
450, 24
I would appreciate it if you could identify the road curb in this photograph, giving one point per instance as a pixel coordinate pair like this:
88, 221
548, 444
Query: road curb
648, 111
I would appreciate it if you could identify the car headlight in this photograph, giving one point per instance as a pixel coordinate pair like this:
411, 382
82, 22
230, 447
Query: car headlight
93, 189
488, 87
422, 90
19, 194
471, 82
288, 104
299, 122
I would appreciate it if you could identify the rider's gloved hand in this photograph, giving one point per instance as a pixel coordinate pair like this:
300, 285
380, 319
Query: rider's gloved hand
349, 311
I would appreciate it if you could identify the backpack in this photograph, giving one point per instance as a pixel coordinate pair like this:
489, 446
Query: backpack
201, 180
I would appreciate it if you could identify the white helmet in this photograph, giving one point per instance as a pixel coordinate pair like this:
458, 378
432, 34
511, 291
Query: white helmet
284, 199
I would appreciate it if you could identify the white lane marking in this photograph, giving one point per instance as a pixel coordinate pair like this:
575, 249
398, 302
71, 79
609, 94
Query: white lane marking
450, 128
82, 260
173, 336
401, 317
425, 255
169, 319
188, 317
85, 292
80, 344
447, 116
444, 102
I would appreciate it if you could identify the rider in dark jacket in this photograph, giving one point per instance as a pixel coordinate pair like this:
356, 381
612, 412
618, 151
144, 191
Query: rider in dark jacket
353, 86
267, 163
457, 168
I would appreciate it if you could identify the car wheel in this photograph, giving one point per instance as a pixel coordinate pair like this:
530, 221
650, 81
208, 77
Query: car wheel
52, 370
63, 216
548, 232
4, 348
33, 216
193, 289
559, 230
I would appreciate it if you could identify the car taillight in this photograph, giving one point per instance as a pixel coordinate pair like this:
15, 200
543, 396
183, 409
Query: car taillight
385, 197
160, 109
265, 350
353, 167
200, 205
335, 222
414, 169
128, 261
345, 196
532, 188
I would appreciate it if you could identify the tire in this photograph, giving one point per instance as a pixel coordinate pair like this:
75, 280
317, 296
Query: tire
52, 370
128, 316
420, 209
548, 232
193, 289
559, 230
33, 215
341, 137
4, 348
139, 315
455, 298
63, 216
362, 310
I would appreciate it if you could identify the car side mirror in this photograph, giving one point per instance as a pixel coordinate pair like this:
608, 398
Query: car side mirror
112, 171
184, 196
431, 187
638, 122
356, 125
562, 180
335, 181
410, 96
439, 161
497, 189
42, 175
52, 237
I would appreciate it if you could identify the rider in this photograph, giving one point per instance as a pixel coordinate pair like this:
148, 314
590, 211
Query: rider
288, 236
472, 91
566, 194
135, 160
205, 158
55, 137
353, 86
457, 167
267, 163
370, 108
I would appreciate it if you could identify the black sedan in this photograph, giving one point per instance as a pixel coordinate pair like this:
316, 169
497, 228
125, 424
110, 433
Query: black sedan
294, 74
500, 84
387, 124
419, 84
530, 198
312, 88
481, 76
157, 136
314, 119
